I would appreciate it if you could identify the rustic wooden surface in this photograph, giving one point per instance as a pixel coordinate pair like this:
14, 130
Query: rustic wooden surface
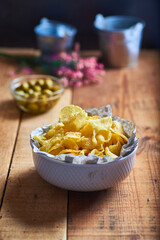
34, 209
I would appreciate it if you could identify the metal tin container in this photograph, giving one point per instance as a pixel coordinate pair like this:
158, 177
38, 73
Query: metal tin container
54, 37
119, 39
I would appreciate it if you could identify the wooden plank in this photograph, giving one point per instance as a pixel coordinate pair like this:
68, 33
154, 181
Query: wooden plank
9, 119
131, 209
9, 114
33, 208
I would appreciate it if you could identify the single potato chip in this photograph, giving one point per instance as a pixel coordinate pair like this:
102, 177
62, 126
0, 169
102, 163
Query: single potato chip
98, 153
69, 144
73, 117
115, 138
101, 124
120, 134
56, 151
109, 153
56, 129
87, 130
49, 143
86, 143
117, 126
116, 149
71, 151
92, 117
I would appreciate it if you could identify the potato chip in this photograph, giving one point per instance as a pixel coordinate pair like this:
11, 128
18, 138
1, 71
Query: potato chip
56, 129
69, 144
116, 148
74, 135
47, 145
118, 127
115, 138
73, 117
100, 142
70, 151
87, 130
101, 124
98, 153
41, 139
86, 143
78, 134
120, 134
106, 135
55, 146
93, 117
56, 151
94, 140
110, 154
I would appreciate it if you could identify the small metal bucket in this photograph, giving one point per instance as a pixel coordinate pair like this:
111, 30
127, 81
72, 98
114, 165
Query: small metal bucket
120, 39
54, 37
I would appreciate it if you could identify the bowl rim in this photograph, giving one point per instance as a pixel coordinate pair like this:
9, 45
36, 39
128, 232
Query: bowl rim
18, 79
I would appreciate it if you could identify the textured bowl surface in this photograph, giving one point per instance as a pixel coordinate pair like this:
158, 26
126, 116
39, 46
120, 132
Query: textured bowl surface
83, 177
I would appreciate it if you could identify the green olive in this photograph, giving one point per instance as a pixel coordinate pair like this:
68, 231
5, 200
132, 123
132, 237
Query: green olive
19, 88
25, 86
48, 83
36, 94
26, 95
55, 88
42, 96
37, 88
47, 92
20, 92
32, 82
32, 106
40, 82
30, 91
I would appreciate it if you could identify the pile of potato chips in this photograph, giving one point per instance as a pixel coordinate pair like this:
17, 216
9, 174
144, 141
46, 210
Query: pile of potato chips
79, 134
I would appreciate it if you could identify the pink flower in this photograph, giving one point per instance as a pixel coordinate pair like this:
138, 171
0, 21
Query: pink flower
12, 73
66, 82
78, 71
27, 70
77, 84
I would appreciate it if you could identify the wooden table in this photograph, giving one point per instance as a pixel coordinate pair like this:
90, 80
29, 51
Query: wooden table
33, 209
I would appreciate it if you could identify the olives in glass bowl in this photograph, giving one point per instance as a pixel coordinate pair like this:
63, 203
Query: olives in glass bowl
36, 93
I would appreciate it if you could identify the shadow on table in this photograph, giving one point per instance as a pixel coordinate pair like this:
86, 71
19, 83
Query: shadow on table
9, 110
89, 201
33, 202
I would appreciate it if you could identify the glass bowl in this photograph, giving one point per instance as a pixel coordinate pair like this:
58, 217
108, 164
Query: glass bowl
36, 93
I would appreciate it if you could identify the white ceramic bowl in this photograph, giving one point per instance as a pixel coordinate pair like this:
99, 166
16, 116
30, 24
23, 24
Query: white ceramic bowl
82, 177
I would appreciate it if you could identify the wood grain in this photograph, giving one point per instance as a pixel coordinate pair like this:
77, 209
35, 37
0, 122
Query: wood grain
131, 209
9, 119
32, 208
9, 114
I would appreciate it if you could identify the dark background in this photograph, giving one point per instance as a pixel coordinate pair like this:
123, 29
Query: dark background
18, 18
